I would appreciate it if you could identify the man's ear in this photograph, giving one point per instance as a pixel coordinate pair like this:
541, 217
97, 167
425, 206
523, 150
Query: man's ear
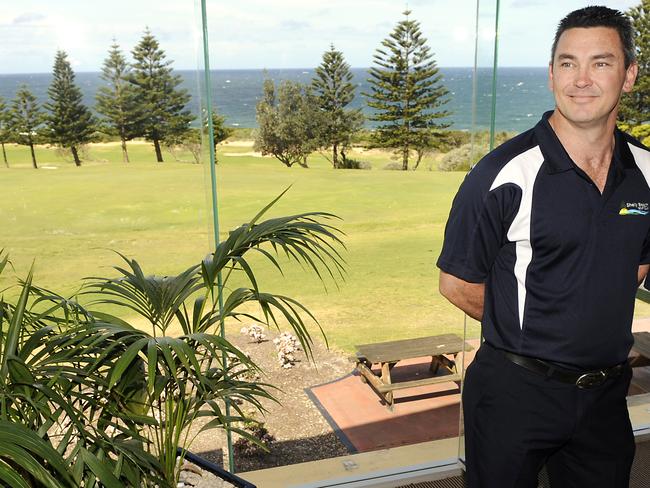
630, 76
550, 75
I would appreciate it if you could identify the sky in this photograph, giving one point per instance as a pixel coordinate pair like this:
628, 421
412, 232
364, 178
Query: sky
259, 34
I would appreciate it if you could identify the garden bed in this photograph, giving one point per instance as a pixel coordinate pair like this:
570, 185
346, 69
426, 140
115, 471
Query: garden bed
300, 431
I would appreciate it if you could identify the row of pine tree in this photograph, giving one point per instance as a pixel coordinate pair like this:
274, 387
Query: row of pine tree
406, 97
140, 99
143, 99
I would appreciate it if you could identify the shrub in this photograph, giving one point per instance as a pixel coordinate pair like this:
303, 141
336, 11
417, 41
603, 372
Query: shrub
258, 442
348, 163
641, 132
452, 139
462, 158
393, 166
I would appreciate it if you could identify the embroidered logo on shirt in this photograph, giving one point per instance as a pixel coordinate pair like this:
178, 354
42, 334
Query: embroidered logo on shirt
634, 208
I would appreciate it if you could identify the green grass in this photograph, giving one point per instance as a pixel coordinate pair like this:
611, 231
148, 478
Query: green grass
68, 219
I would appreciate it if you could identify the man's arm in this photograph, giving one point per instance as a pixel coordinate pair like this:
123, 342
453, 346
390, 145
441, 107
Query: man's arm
466, 296
643, 272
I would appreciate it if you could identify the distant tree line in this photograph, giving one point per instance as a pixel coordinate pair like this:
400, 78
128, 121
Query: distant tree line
406, 97
406, 93
139, 99
143, 99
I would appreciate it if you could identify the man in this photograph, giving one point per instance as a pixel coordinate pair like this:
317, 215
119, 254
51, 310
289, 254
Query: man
546, 243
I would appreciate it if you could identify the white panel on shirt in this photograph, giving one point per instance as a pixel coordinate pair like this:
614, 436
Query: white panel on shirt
521, 171
642, 159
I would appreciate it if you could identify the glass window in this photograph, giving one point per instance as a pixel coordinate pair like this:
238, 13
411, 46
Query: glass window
393, 222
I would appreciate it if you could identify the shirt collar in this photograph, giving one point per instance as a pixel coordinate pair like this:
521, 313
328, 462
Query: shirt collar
558, 160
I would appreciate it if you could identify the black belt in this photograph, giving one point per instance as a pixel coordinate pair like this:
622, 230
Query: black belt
582, 379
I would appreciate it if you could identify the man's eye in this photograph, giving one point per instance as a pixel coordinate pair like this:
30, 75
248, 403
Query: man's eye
565, 64
602, 64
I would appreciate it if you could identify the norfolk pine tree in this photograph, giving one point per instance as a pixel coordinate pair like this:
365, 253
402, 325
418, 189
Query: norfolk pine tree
4, 128
405, 90
162, 102
117, 101
70, 122
634, 108
334, 90
25, 118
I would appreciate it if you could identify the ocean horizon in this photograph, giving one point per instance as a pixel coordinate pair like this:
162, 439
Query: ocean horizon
522, 93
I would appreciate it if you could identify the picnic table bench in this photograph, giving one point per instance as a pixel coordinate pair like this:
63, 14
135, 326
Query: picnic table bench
443, 350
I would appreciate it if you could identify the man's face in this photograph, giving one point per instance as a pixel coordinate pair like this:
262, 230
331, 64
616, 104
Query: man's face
588, 75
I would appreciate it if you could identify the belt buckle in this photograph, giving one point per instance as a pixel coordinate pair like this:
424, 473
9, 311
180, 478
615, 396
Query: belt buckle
591, 380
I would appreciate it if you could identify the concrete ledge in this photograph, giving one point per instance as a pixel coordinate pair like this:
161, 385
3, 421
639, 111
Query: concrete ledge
435, 458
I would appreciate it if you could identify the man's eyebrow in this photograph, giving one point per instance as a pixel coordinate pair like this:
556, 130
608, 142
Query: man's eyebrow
605, 55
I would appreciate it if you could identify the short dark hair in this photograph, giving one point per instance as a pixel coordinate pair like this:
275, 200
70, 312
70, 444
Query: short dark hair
599, 16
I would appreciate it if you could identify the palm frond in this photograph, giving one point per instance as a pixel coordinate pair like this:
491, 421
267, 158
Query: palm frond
23, 448
156, 298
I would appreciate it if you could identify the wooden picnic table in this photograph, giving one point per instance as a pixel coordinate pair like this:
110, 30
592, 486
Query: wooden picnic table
642, 348
442, 349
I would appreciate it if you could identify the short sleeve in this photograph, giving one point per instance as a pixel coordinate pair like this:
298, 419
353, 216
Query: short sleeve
477, 227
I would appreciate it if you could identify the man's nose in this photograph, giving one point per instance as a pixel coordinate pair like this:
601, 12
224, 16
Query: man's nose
583, 77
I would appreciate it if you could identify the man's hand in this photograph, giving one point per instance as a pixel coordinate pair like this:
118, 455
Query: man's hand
643, 272
466, 296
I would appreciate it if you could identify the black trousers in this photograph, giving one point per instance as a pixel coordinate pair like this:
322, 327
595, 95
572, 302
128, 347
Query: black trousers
516, 421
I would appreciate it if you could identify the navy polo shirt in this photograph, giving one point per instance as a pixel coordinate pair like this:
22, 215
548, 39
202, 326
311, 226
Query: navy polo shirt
558, 258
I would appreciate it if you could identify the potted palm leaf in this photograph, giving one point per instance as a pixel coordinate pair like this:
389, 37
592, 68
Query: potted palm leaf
111, 402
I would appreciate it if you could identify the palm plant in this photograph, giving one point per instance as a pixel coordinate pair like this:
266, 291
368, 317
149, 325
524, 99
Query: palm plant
52, 408
87, 399
175, 380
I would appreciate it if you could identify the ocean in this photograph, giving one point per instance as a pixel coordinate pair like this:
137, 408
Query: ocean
522, 93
